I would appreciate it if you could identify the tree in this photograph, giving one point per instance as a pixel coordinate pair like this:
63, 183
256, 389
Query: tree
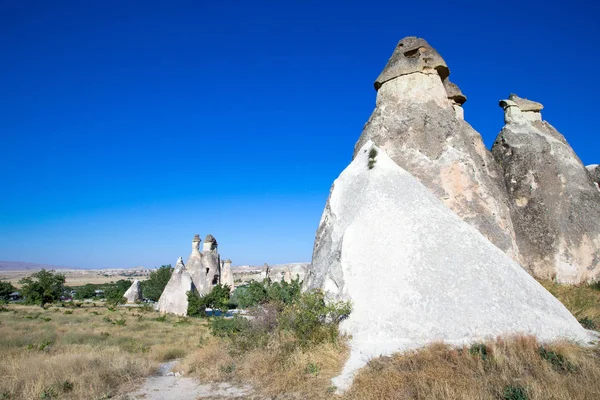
87, 291
114, 293
43, 287
154, 286
217, 299
6, 288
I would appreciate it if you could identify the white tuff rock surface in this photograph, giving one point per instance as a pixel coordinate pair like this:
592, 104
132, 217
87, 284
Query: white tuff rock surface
134, 293
418, 120
173, 299
416, 273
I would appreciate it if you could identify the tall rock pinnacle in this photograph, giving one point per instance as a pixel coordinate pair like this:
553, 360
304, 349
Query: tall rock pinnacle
555, 203
418, 121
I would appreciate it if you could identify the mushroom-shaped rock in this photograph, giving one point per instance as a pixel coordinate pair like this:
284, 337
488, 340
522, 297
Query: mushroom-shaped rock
423, 131
439, 278
594, 171
173, 299
196, 238
210, 243
412, 54
525, 104
555, 204
454, 92
134, 293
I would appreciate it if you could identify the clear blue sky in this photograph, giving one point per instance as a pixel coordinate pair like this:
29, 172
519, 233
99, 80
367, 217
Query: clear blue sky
128, 126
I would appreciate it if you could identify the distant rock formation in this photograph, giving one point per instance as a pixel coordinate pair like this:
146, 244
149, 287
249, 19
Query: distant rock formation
418, 121
173, 299
134, 293
227, 274
555, 203
201, 274
594, 171
204, 267
385, 239
265, 272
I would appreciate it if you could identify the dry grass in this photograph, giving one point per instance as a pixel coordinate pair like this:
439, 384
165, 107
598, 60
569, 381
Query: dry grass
583, 301
277, 370
441, 372
75, 277
83, 355
435, 372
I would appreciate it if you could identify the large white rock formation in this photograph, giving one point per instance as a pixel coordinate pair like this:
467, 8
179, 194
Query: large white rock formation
173, 299
555, 203
418, 120
417, 273
134, 293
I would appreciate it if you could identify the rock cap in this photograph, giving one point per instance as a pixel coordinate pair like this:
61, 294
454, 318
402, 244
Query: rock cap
196, 239
525, 104
412, 54
210, 238
454, 92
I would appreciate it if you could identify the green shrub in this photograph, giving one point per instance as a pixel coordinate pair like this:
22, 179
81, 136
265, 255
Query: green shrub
309, 320
587, 323
217, 299
372, 157
312, 369
514, 393
558, 361
256, 293
479, 349
312, 320
68, 312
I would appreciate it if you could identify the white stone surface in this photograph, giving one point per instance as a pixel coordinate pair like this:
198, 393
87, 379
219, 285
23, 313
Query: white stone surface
134, 293
173, 299
227, 275
417, 273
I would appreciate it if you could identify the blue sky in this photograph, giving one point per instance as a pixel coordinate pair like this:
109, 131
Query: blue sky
128, 126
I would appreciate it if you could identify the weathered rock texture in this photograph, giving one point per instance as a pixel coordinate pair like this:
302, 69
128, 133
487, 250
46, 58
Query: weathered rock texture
418, 121
555, 204
134, 293
594, 171
173, 299
227, 274
204, 267
417, 273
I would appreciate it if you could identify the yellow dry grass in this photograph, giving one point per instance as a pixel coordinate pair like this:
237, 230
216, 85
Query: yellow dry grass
441, 372
582, 301
83, 355
434, 372
76, 277
277, 370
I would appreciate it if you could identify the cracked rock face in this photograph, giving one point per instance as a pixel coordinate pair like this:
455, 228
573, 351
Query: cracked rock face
418, 122
555, 204
384, 238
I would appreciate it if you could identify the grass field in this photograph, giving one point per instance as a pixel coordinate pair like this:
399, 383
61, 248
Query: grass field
93, 352
86, 352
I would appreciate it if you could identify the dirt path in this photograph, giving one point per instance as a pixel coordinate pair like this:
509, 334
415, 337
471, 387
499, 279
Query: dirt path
169, 385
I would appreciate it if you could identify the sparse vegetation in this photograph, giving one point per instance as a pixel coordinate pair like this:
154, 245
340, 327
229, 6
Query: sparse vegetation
583, 301
372, 157
79, 356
